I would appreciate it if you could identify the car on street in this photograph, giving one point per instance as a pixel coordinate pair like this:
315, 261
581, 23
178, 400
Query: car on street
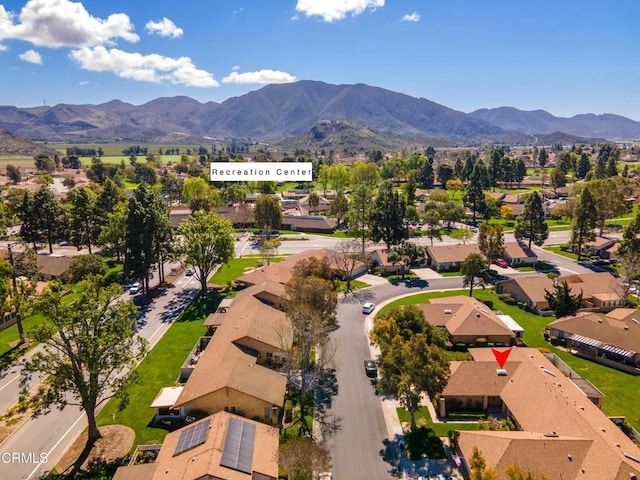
370, 368
501, 263
367, 308
325, 476
190, 271
135, 288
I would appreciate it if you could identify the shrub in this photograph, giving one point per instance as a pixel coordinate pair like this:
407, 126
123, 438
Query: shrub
507, 298
288, 411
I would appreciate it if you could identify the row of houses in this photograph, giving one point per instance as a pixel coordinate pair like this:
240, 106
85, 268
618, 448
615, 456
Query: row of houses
559, 430
233, 377
242, 217
235, 382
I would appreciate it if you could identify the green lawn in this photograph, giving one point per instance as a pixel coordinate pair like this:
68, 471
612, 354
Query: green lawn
557, 249
159, 369
621, 390
236, 267
423, 419
355, 285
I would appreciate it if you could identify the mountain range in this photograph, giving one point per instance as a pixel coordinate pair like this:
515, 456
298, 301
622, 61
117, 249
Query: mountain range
302, 110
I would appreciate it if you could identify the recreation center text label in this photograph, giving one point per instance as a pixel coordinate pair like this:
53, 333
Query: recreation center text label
262, 171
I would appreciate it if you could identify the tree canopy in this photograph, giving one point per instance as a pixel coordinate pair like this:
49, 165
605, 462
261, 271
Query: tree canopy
531, 225
206, 242
89, 352
561, 301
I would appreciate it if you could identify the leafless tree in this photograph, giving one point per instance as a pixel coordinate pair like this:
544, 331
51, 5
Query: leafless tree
346, 257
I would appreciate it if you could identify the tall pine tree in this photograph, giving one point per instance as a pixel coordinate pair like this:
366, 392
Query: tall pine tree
531, 225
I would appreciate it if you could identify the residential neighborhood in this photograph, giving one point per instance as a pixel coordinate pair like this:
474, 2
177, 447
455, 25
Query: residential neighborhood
313, 240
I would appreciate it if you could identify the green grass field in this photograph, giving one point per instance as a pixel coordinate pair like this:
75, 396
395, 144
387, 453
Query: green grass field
621, 389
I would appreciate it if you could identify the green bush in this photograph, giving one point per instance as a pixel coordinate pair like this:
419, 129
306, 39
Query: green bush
507, 298
288, 411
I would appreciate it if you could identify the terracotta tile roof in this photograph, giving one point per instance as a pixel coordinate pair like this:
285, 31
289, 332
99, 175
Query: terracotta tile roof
203, 461
599, 242
232, 368
594, 283
609, 329
518, 250
531, 451
542, 400
225, 363
601, 284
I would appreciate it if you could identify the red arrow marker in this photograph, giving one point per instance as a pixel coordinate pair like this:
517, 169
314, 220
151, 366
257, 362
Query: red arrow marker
501, 357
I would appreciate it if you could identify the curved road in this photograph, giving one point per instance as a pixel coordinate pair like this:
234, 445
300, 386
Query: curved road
359, 446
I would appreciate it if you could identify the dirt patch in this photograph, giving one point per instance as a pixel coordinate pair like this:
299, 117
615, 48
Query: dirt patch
116, 442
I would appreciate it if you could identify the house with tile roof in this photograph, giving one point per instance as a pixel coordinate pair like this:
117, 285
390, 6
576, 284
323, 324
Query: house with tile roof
282, 271
233, 372
444, 258
601, 291
559, 431
612, 339
450, 257
222, 446
52, 267
468, 321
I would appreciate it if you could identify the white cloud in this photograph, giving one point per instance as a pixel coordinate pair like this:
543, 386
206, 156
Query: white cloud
412, 17
262, 77
145, 68
164, 28
59, 23
84, 82
235, 68
3, 48
334, 10
31, 56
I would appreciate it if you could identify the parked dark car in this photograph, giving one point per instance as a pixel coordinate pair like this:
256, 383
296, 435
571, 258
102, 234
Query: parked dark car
370, 368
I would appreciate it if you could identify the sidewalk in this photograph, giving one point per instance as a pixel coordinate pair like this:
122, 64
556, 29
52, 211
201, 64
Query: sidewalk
409, 469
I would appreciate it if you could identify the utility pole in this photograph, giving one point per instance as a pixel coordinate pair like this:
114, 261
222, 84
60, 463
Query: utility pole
15, 293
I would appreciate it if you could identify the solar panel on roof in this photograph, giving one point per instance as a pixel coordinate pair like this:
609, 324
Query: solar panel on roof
192, 437
238, 446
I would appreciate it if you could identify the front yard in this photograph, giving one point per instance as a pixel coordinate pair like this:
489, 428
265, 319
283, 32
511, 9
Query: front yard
621, 390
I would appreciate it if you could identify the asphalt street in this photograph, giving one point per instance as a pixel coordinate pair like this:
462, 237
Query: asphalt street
362, 448
47, 437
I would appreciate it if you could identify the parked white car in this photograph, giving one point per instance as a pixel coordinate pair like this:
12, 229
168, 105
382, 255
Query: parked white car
135, 288
367, 308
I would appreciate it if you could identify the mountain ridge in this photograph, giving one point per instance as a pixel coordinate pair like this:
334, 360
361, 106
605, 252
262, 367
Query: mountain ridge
277, 112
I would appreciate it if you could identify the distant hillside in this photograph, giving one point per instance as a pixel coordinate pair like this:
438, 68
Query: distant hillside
352, 137
277, 112
609, 126
11, 144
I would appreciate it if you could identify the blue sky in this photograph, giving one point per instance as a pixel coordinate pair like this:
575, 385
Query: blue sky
563, 56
